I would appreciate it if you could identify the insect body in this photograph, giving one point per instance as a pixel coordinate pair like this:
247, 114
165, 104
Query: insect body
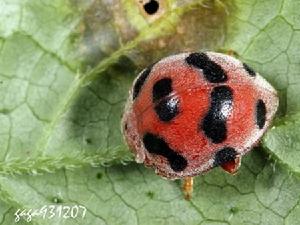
191, 112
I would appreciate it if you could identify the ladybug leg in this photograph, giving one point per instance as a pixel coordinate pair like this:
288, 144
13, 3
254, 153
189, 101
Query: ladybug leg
229, 52
188, 187
232, 166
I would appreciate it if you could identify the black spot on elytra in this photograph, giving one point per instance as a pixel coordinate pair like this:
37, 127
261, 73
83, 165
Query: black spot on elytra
156, 145
211, 70
167, 108
224, 155
214, 123
151, 7
260, 113
161, 88
140, 82
250, 71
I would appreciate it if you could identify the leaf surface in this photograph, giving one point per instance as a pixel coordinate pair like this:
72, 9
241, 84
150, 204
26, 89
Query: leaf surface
65, 71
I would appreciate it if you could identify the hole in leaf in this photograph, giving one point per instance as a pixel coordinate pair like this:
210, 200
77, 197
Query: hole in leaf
151, 7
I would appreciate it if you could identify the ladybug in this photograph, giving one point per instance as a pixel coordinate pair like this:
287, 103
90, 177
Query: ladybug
191, 112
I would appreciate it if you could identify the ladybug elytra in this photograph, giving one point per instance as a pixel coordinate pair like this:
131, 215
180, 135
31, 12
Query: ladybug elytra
191, 112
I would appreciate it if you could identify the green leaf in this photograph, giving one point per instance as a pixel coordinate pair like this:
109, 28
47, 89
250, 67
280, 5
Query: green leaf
65, 70
5, 212
262, 193
283, 142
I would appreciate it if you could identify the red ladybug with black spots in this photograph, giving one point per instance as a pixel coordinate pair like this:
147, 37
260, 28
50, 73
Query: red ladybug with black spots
191, 112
